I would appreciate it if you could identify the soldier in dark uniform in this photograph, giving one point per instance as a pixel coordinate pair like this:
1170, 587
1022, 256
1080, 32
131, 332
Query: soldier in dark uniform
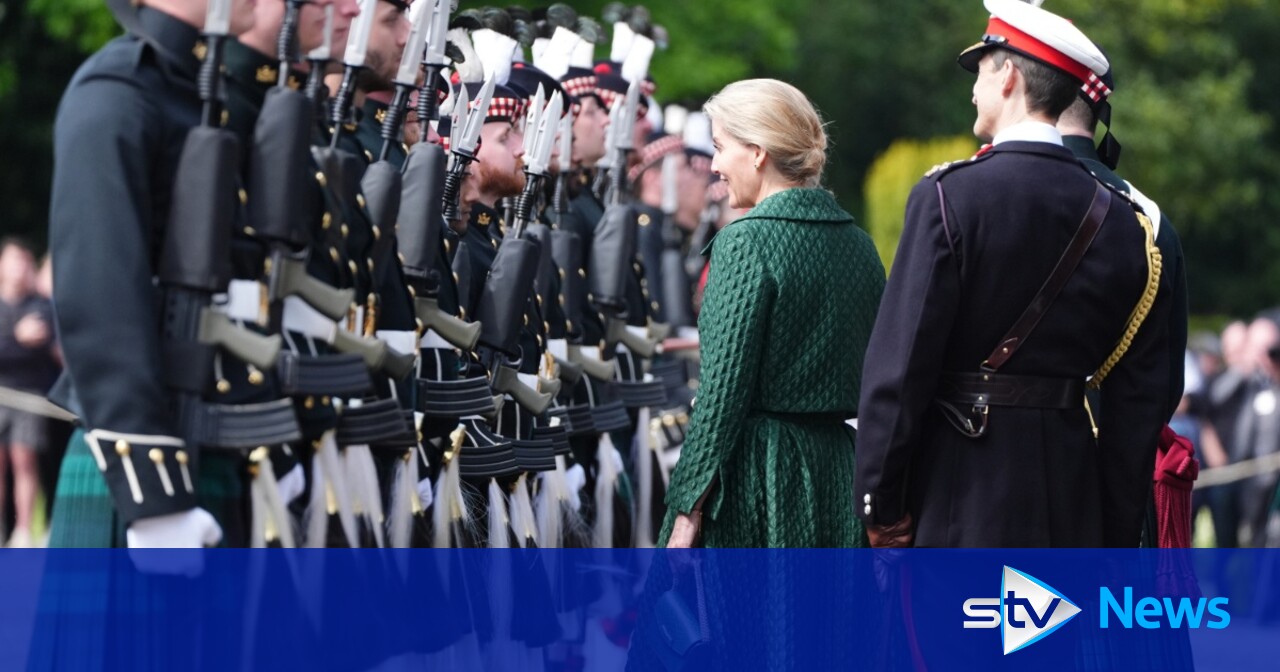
118, 138
1078, 125
955, 448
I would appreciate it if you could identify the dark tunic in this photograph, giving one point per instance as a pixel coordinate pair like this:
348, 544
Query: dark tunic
1038, 477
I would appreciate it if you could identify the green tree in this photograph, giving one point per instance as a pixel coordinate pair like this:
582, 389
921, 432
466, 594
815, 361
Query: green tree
891, 178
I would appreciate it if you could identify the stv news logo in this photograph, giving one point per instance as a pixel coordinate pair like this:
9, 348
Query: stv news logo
1028, 609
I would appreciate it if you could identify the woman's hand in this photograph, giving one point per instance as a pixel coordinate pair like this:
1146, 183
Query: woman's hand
684, 534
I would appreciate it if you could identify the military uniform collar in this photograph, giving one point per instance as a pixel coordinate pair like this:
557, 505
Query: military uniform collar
1081, 146
180, 45
482, 216
1029, 131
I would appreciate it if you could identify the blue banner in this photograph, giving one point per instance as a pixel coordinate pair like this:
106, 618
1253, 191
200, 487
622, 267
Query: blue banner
630, 609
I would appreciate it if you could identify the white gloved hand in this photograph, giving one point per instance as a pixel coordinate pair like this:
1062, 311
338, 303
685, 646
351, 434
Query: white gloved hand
190, 529
292, 484
575, 478
426, 493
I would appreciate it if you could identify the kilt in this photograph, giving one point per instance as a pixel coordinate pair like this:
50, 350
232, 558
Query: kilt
84, 515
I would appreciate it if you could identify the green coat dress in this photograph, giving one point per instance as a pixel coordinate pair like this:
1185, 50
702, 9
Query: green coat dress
792, 294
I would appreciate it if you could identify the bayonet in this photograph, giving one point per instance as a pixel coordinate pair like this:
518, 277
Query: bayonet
353, 62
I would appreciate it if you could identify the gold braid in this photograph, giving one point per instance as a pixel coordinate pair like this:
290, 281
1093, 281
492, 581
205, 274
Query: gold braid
1140, 311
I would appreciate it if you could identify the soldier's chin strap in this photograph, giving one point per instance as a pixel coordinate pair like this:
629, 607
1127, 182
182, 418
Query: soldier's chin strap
1109, 148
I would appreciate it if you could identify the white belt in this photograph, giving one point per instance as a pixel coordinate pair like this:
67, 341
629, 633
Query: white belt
559, 348
529, 379
592, 351
403, 342
432, 341
301, 318
243, 301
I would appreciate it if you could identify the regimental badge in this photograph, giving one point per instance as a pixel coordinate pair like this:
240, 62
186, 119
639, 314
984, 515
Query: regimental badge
380, 115
643, 220
266, 75
483, 219
294, 83
200, 50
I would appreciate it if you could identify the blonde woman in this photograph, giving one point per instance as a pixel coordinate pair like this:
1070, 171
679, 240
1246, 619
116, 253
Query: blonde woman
793, 290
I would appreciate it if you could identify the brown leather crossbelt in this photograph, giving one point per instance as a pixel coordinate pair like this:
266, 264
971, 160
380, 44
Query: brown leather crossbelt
966, 398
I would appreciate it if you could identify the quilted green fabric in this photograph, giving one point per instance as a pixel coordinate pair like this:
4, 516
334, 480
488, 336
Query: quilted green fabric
792, 295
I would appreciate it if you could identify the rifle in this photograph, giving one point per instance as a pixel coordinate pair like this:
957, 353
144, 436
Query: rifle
515, 268
195, 265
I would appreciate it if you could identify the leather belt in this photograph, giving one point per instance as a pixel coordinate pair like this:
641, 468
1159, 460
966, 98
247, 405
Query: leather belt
333, 375
966, 398
246, 425
454, 398
381, 422
1003, 389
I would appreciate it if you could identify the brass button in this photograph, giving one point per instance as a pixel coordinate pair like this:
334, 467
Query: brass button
370, 260
346, 230
122, 448
181, 456
224, 386
248, 231
321, 179
256, 377
360, 200
309, 403
156, 455
377, 233
643, 220
244, 197
333, 254
582, 273
456, 280
324, 401
326, 220
355, 268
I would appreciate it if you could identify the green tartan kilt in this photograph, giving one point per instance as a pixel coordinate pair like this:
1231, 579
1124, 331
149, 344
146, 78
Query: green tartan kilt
84, 515
79, 623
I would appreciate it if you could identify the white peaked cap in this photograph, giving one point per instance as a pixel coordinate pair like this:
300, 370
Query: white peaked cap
1040, 34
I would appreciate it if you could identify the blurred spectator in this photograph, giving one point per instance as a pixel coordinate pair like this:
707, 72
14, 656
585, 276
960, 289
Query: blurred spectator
59, 431
26, 364
1243, 407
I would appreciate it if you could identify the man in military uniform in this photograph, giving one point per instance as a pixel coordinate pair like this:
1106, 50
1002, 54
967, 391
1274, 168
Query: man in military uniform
956, 447
118, 140
1078, 125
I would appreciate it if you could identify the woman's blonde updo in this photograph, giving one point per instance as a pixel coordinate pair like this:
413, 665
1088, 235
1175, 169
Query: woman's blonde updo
779, 119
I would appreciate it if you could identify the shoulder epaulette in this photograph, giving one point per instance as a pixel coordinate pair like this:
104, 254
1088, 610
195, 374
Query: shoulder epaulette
944, 168
1128, 198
